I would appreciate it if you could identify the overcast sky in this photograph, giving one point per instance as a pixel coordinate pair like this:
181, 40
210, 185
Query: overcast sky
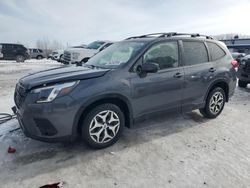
82, 21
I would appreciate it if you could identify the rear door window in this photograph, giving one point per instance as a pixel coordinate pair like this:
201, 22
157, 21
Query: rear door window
194, 52
215, 51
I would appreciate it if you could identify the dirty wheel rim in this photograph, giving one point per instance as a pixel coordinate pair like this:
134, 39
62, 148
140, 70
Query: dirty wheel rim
216, 103
104, 126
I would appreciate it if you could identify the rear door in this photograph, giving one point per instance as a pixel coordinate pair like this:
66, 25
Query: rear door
160, 91
198, 71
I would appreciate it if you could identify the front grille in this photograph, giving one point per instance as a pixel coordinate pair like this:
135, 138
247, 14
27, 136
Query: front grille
67, 56
20, 94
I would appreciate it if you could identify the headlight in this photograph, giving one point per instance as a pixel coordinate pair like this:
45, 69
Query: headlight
49, 93
75, 55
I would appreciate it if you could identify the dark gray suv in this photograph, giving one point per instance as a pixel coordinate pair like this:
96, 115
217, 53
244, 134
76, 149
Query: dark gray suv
130, 79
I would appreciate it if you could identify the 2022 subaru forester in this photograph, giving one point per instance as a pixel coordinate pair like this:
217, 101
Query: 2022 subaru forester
130, 79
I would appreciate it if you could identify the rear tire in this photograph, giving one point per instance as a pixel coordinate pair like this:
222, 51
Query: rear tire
242, 83
39, 57
103, 126
214, 104
20, 58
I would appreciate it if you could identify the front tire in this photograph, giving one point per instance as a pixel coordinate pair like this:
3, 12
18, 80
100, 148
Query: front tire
39, 57
103, 126
214, 104
242, 83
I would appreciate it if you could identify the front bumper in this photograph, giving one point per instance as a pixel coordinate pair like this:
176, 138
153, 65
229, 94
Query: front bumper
69, 62
50, 122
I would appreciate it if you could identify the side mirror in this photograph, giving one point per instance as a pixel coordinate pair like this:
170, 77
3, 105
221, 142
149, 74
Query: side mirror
149, 67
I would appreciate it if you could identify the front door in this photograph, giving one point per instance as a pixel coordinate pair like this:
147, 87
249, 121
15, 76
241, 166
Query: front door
162, 90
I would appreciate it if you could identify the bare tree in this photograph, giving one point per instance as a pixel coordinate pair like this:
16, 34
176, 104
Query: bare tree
48, 46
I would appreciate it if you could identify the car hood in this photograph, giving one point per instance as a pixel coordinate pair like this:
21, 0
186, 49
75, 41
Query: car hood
62, 74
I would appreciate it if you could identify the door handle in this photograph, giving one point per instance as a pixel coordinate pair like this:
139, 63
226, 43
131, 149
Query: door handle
212, 69
178, 75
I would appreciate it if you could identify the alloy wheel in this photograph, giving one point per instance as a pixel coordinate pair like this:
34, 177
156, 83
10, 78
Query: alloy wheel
104, 126
216, 103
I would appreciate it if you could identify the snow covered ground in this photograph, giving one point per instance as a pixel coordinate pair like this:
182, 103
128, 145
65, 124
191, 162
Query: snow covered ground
174, 151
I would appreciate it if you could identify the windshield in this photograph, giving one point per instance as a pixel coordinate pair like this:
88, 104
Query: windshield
95, 45
116, 54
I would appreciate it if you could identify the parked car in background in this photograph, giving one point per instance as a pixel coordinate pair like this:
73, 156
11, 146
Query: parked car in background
56, 55
77, 55
238, 56
129, 80
14, 52
36, 53
1, 54
245, 58
243, 72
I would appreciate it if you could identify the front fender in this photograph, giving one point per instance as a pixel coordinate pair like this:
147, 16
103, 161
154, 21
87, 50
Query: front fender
100, 98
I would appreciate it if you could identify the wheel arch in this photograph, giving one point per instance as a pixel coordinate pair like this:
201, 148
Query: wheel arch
116, 99
85, 59
219, 83
39, 56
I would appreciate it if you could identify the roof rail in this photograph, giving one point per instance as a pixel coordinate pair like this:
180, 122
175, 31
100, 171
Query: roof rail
193, 35
151, 34
170, 34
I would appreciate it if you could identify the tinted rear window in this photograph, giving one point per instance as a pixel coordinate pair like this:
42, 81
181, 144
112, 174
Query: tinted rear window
215, 51
194, 52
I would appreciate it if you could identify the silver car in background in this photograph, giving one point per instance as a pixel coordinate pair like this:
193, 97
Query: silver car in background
36, 53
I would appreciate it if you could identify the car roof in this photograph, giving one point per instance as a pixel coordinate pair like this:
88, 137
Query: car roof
11, 44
